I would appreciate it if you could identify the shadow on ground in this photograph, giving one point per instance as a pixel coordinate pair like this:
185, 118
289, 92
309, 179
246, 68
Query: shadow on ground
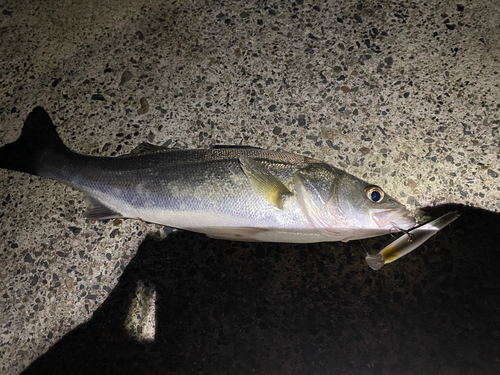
242, 308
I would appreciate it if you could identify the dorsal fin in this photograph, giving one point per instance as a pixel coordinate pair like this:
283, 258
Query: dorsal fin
145, 148
215, 147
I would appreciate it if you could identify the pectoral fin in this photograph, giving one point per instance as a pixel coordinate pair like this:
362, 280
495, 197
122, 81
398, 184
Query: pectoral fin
264, 182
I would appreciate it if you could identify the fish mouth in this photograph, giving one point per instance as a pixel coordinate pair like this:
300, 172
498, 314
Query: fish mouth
400, 218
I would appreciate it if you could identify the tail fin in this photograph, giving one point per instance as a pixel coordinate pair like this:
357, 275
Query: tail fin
38, 139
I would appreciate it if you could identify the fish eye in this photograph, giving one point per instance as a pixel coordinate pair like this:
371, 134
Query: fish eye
375, 194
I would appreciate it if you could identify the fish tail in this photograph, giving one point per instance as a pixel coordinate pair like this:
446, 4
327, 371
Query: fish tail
38, 141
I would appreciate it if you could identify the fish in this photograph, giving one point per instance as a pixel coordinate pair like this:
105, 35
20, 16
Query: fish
410, 241
232, 193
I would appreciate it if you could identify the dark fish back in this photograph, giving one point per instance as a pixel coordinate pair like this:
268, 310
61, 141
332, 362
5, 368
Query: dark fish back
183, 157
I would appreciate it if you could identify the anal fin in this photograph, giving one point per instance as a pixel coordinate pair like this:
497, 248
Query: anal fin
97, 211
233, 233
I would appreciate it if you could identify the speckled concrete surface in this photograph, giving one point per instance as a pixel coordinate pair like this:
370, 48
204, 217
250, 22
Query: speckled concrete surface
404, 95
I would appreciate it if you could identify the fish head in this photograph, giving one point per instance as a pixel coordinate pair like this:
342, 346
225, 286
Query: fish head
334, 200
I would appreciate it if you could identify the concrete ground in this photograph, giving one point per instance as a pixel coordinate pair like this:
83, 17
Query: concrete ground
404, 95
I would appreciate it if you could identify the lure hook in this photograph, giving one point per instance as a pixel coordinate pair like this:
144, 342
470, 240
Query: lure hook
407, 232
